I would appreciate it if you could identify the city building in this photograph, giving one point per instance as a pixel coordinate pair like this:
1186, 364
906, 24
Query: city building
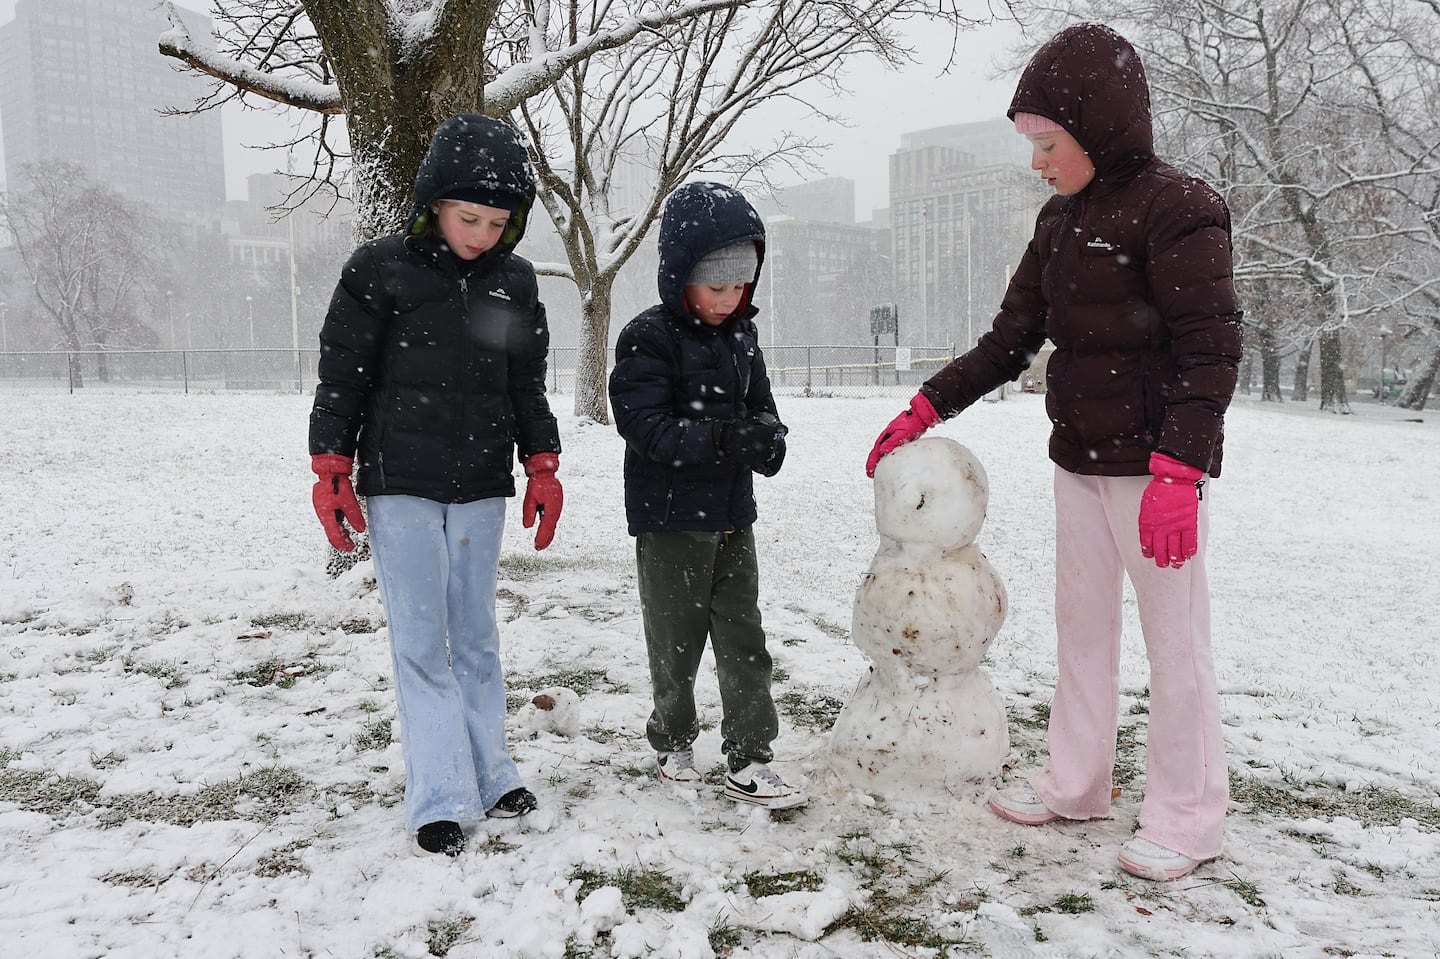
962, 209
820, 281
82, 81
830, 200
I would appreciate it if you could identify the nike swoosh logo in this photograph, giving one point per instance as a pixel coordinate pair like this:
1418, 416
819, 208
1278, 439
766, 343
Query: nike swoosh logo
752, 789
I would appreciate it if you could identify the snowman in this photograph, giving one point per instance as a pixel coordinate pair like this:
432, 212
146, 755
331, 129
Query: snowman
925, 716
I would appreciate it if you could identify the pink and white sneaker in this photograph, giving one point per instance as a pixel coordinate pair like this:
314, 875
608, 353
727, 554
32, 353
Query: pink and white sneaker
1020, 803
1150, 860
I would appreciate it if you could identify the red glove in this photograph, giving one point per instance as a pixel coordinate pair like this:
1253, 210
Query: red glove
334, 499
1169, 511
902, 429
543, 495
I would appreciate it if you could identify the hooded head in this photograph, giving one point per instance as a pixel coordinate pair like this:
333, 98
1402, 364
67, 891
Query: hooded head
475, 159
700, 221
1089, 80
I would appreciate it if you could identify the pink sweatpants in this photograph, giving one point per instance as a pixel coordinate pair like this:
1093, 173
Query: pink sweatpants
1186, 785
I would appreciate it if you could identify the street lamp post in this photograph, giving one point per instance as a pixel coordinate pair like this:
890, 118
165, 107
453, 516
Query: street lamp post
4, 332
1384, 342
170, 318
250, 312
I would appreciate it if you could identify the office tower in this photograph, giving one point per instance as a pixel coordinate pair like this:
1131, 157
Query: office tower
83, 81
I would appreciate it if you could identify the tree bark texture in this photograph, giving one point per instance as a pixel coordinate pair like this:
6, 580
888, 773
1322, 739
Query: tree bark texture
396, 92
591, 390
1332, 373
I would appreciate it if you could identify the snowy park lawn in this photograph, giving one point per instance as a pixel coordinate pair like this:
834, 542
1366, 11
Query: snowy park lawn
197, 755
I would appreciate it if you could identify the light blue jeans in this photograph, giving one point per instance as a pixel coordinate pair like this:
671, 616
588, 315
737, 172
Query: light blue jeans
436, 564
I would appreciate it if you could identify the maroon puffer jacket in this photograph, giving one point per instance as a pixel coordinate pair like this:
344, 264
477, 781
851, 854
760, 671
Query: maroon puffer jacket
1130, 279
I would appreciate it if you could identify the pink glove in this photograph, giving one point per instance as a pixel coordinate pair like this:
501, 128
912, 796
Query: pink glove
543, 495
334, 499
902, 429
1169, 511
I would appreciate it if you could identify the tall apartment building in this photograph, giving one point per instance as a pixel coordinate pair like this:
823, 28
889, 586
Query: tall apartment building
82, 81
962, 208
820, 281
829, 200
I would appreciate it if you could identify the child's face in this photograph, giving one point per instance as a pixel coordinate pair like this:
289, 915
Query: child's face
1062, 162
714, 302
469, 229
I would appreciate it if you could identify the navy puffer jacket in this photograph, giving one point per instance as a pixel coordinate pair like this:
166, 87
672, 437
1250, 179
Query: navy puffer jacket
678, 382
432, 368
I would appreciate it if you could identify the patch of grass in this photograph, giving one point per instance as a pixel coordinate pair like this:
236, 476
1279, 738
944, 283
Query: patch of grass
295, 622
828, 628
581, 679
284, 861
1344, 887
1248, 892
779, 674
276, 672
167, 673
1037, 718
134, 880
1071, 904
761, 884
107, 761
1370, 805
43, 792
529, 565
352, 627
374, 734
724, 936
494, 844
884, 918
647, 888
1127, 755
810, 708
518, 604
261, 796
445, 934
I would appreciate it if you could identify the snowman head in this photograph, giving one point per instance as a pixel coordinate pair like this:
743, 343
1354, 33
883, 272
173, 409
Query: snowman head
932, 492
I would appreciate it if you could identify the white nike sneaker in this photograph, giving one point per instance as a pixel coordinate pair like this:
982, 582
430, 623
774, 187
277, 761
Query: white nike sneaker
760, 785
678, 769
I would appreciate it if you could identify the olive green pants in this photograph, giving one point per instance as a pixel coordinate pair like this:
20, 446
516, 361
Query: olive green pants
694, 584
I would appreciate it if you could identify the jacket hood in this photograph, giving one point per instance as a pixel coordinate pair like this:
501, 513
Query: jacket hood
1089, 79
700, 218
470, 152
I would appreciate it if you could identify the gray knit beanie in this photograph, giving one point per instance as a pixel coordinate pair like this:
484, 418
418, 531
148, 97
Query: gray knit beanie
729, 264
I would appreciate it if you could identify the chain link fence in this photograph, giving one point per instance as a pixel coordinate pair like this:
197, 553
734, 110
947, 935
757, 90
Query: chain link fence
849, 371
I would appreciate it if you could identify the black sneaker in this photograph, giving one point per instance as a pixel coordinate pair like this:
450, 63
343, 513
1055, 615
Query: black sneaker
517, 802
439, 838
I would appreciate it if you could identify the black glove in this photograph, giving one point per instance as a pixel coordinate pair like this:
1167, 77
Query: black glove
772, 463
752, 441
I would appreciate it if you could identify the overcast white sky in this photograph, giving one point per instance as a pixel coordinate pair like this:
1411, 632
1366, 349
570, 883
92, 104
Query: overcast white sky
882, 106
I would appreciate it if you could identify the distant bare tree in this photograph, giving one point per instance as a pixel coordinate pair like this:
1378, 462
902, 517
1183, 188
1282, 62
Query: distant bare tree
395, 69
662, 108
86, 253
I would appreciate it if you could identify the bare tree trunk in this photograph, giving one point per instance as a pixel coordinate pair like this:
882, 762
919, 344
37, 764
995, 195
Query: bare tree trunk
1269, 366
1332, 374
1301, 393
395, 98
1421, 384
591, 394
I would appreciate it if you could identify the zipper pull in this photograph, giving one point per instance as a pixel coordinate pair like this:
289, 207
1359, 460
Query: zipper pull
1199, 489
464, 285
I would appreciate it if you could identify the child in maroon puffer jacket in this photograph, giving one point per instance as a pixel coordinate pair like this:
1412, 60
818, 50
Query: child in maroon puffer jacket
1130, 276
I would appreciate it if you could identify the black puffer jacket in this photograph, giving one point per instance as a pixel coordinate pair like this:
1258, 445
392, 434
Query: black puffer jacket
677, 382
432, 368
1130, 279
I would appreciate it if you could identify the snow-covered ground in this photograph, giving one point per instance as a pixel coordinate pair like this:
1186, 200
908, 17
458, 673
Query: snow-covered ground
196, 758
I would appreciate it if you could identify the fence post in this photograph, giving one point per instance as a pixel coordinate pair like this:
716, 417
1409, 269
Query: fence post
70, 370
809, 372
185, 369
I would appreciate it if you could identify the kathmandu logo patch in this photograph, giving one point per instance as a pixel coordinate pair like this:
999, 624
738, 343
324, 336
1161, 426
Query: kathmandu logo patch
1100, 244
500, 293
